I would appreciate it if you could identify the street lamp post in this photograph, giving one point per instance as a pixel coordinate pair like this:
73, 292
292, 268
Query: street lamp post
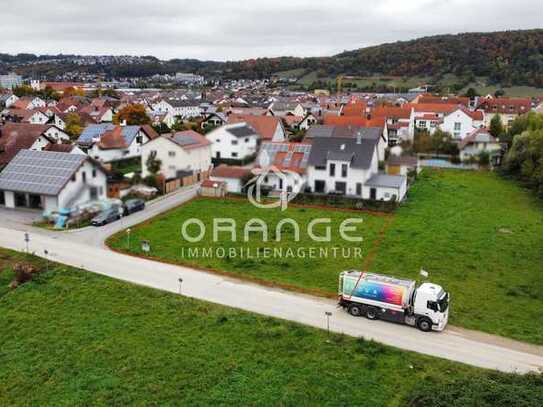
46, 253
27, 240
180, 280
128, 238
328, 315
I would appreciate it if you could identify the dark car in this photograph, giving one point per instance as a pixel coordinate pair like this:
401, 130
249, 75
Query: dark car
105, 217
133, 205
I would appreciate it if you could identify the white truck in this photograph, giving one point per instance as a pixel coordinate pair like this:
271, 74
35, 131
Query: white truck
391, 299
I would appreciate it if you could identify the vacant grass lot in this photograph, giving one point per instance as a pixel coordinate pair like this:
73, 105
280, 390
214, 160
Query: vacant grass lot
320, 272
76, 338
482, 238
477, 234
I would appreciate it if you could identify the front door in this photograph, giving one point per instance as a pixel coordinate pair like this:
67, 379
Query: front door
341, 187
373, 194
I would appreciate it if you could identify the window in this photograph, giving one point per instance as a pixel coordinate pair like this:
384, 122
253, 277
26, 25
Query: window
422, 124
234, 142
457, 126
234, 155
93, 173
344, 170
320, 167
246, 139
84, 176
217, 140
387, 195
139, 139
319, 186
332, 170
358, 189
171, 153
74, 177
432, 305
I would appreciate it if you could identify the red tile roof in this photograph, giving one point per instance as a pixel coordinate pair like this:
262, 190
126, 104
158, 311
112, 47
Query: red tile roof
333, 120
265, 126
112, 139
225, 171
18, 136
506, 105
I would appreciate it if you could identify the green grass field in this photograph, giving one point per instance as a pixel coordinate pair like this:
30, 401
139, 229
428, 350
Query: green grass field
76, 338
481, 237
320, 272
478, 235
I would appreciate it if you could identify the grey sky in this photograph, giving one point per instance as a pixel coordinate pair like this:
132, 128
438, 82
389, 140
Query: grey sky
240, 29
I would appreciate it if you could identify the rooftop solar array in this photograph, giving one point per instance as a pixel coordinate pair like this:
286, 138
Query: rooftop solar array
40, 172
241, 131
272, 149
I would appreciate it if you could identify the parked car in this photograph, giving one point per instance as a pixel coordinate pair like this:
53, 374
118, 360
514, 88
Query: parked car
109, 215
133, 205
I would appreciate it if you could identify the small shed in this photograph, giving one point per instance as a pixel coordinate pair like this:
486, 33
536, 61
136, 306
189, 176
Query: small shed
214, 189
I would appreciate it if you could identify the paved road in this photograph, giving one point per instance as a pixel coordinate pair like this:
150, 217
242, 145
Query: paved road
22, 220
462, 346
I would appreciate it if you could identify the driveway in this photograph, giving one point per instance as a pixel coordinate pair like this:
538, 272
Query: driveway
22, 219
458, 345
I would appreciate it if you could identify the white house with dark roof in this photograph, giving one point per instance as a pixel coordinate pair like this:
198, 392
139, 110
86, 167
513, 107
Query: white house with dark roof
183, 152
108, 142
345, 166
51, 181
237, 141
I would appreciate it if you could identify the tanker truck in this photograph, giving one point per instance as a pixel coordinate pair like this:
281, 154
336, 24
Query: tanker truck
381, 297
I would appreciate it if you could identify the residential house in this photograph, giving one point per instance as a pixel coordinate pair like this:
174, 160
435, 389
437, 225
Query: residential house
296, 123
22, 136
269, 128
345, 166
182, 154
461, 122
283, 165
236, 141
508, 109
280, 109
213, 120
51, 181
28, 103
107, 142
397, 122
378, 134
233, 176
479, 141
25, 116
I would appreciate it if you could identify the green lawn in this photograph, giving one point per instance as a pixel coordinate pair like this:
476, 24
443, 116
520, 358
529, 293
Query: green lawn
477, 234
321, 273
76, 338
482, 238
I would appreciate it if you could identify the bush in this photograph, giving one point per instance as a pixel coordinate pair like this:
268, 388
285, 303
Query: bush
494, 390
24, 272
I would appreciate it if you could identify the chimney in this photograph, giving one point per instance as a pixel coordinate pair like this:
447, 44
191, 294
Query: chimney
359, 138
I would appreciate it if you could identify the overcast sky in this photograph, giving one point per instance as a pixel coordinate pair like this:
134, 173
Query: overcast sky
240, 29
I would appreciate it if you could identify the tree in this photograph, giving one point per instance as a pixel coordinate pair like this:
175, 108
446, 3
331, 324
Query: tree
499, 93
472, 93
161, 128
496, 126
72, 91
153, 164
73, 127
133, 114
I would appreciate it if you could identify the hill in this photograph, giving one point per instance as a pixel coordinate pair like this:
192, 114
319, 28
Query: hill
508, 58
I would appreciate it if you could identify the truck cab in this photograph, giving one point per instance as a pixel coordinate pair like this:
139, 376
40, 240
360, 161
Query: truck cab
431, 307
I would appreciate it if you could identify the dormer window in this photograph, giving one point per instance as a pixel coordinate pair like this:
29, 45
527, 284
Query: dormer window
342, 147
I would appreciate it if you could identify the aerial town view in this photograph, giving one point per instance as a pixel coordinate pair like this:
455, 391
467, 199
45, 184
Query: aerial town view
271, 203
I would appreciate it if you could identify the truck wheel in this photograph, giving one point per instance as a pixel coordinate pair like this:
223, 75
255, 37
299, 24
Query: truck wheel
424, 324
371, 313
355, 310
